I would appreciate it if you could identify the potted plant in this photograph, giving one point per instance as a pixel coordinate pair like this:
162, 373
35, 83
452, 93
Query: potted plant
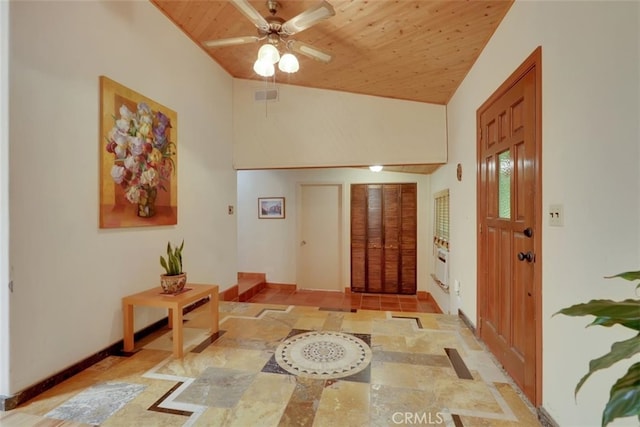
174, 280
624, 396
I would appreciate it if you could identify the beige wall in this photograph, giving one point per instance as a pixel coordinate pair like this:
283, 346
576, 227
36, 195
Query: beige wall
313, 127
69, 276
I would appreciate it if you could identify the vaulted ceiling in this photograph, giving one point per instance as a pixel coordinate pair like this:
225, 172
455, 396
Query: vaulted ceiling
412, 50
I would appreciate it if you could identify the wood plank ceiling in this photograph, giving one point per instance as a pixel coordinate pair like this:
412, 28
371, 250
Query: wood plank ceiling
411, 50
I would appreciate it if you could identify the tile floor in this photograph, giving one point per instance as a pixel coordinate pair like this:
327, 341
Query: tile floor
345, 301
285, 365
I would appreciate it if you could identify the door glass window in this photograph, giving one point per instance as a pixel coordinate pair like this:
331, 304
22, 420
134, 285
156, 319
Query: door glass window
504, 184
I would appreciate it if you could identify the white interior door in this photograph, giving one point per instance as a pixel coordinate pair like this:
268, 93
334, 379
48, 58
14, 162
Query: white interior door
319, 240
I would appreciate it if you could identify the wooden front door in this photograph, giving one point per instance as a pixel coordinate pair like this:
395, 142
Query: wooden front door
509, 226
383, 238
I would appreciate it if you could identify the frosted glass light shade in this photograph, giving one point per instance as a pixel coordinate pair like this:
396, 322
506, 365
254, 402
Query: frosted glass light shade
264, 68
288, 63
268, 52
375, 168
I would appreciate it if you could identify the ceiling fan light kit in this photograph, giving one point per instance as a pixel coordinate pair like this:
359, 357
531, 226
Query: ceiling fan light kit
264, 68
275, 30
268, 56
288, 63
269, 53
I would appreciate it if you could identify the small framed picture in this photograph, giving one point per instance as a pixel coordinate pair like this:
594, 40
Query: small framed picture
271, 207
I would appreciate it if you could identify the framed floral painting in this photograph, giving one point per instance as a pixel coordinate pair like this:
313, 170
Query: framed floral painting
138, 159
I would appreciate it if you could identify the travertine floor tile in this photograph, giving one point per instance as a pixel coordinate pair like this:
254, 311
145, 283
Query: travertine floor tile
415, 366
343, 403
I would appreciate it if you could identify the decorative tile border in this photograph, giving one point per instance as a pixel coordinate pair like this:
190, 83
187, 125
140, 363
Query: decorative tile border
346, 310
157, 408
458, 364
167, 401
207, 342
412, 358
259, 316
457, 421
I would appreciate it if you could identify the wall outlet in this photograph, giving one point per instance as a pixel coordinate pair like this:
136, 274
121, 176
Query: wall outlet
556, 215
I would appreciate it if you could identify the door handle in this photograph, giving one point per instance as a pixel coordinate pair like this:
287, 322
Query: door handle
528, 231
304, 242
529, 256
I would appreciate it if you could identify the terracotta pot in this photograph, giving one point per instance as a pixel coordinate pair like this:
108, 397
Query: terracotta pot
173, 284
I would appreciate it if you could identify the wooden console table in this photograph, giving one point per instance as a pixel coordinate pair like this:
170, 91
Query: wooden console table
174, 303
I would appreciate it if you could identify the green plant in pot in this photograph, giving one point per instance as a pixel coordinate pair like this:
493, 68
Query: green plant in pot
624, 396
174, 280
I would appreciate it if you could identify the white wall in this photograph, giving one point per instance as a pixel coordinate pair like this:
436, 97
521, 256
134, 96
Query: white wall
69, 275
590, 73
4, 198
316, 127
270, 246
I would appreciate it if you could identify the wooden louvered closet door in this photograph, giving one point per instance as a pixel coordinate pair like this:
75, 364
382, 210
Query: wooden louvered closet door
383, 238
408, 239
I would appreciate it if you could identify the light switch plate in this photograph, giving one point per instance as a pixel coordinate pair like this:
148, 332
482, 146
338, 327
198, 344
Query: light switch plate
556, 215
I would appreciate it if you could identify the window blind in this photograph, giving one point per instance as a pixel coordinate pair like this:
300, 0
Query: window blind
441, 219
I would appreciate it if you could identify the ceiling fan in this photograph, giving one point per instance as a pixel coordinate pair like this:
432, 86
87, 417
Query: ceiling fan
276, 31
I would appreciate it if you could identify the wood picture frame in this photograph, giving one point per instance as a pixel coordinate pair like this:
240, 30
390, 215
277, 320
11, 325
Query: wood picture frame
271, 207
138, 159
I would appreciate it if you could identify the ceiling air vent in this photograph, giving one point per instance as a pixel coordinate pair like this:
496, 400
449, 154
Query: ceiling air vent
266, 95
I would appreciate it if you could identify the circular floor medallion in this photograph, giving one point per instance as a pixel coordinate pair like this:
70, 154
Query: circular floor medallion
323, 355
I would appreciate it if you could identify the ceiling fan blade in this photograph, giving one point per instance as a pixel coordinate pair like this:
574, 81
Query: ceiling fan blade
231, 41
310, 51
308, 18
252, 14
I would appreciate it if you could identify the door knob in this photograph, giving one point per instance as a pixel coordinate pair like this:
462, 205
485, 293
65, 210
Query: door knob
304, 242
529, 256
528, 232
